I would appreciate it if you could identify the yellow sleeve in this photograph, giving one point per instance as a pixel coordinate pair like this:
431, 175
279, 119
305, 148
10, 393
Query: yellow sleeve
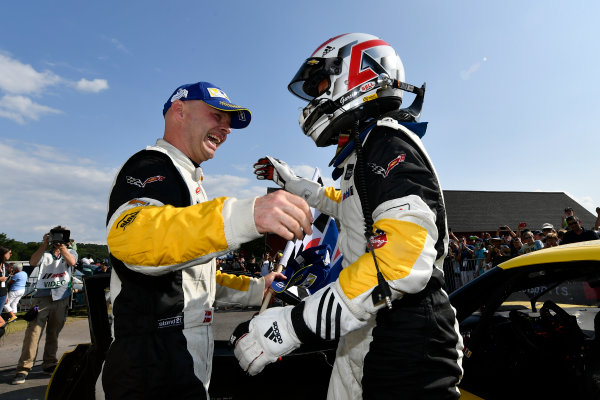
167, 235
239, 289
403, 243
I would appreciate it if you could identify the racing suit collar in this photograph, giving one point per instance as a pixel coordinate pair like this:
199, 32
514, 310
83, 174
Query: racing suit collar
194, 169
419, 128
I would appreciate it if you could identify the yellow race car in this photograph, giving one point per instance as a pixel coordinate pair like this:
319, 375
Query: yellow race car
531, 326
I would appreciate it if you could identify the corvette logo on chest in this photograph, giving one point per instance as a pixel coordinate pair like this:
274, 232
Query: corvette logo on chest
395, 162
391, 165
137, 182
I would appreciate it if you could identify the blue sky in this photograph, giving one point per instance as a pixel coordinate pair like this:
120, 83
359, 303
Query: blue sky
512, 93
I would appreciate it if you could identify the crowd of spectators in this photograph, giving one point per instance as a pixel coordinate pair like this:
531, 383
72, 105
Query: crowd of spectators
88, 266
471, 256
237, 263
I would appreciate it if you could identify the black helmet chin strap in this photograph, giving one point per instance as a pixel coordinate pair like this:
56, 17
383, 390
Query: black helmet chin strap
382, 291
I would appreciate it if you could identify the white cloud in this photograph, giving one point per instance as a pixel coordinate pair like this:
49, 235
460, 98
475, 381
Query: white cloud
19, 78
43, 187
20, 109
94, 86
307, 171
21, 81
41, 190
231, 186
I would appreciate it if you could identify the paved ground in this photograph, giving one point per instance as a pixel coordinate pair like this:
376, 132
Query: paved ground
37, 381
73, 333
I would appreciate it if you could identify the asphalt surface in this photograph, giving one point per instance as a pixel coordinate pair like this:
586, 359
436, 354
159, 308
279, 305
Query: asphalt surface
35, 386
72, 334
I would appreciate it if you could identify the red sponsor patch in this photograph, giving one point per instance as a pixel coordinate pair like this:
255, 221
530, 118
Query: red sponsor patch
207, 316
378, 241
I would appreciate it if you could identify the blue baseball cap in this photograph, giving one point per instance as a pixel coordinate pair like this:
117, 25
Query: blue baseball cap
214, 97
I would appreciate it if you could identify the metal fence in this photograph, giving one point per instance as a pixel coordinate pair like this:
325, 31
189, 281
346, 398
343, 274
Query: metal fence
457, 274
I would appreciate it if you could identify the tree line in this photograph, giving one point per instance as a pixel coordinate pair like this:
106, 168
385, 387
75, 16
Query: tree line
23, 251
99, 252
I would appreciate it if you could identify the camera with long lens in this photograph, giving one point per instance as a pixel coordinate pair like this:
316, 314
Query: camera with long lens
59, 236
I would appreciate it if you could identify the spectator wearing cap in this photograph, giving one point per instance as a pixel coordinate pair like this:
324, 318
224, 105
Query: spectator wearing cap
547, 228
577, 233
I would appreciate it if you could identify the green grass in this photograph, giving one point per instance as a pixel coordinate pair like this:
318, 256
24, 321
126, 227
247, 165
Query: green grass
20, 324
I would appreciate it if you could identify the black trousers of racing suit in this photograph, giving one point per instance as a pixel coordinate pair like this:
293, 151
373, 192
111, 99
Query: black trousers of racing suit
423, 366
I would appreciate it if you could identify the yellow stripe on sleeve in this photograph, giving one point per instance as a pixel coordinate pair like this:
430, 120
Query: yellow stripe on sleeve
167, 235
405, 242
236, 282
333, 194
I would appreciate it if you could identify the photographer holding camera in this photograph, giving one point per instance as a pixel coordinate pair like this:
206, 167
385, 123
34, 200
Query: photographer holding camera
53, 289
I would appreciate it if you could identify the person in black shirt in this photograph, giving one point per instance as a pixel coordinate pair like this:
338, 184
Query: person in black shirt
577, 233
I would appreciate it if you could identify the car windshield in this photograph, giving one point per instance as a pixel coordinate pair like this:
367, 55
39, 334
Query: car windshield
577, 292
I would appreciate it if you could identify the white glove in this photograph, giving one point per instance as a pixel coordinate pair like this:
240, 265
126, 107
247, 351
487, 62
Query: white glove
264, 339
275, 170
280, 173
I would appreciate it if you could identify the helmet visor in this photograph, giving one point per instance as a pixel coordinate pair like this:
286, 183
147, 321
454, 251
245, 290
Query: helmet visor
312, 79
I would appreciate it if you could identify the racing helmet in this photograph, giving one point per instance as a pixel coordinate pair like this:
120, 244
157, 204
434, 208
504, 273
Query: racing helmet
350, 77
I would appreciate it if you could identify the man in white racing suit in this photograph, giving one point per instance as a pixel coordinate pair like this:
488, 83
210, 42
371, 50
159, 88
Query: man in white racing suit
398, 335
163, 234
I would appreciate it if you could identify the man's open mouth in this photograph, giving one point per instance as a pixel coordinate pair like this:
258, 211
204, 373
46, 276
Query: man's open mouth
215, 139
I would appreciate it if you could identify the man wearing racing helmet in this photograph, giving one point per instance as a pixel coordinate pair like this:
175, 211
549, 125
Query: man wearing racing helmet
398, 334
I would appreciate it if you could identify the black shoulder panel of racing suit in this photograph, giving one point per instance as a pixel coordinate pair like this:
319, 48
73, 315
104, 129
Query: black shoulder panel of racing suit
396, 168
148, 173
147, 298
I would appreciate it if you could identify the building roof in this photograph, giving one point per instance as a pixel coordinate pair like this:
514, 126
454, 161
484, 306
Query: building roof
480, 211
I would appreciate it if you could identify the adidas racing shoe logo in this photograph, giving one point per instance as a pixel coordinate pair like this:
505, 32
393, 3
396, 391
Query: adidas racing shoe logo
273, 334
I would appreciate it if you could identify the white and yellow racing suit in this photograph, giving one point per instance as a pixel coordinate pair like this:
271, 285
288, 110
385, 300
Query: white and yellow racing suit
163, 235
413, 350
